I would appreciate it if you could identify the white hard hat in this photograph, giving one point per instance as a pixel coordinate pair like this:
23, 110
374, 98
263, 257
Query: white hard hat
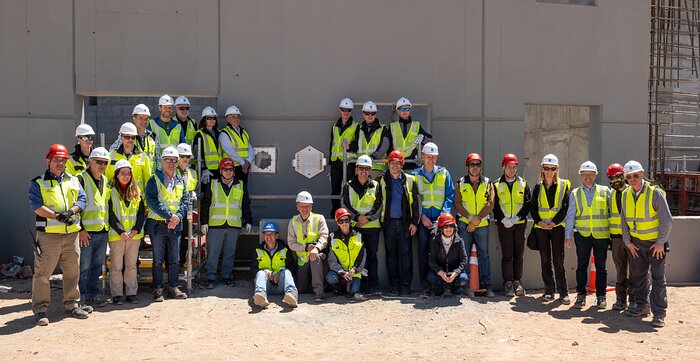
403, 102
170, 152
232, 110
588, 166
550, 159
122, 163
369, 107
99, 152
182, 100
184, 149
364, 160
632, 167
346, 103
128, 128
166, 100
430, 148
84, 129
304, 197
141, 109
208, 112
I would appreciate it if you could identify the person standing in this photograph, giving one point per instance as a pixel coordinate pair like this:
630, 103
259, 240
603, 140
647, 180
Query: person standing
407, 135
165, 131
141, 164
235, 144
371, 138
342, 134
208, 136
84, 136
620, 254
182, 115
189, 176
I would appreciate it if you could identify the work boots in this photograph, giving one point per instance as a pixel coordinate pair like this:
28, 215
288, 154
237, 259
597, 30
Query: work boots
508, 289
620, 302
638, 310
291, 299
260, 299
518, 288
580, 301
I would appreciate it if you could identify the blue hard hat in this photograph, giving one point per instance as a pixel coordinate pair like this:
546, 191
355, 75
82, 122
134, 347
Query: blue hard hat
270, 227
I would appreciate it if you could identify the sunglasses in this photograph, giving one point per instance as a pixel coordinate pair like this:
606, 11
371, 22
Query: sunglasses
169, 160
371, 114
183, 108
125, 173
363, 169
85, 138
405, 109
101, 162
227, 169
210, 118
617, 176
475, 165
186, 156
129, 137
343, 221
549, 169
344, 110
635, 176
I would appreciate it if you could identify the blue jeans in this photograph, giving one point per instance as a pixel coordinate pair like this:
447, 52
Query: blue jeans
423, 250
399, 252
480, 237
333, 279
583, 255
437, 284
92, 258
286, 284
159, 238
218, 239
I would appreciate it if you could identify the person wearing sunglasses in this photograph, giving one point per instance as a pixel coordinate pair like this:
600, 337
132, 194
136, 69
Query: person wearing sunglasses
346, 258
550, 201
363, 199
371, 138
128, 150
437, 193
190, 177
646, 225
167, 201
273, 273
182, 115
165, 131
94, 221
342, 135
620, 254
407, 135
473, 203
225, 209
448, 259
208, 136
144, 142
588, 224
510, 208
235, 144
77, 163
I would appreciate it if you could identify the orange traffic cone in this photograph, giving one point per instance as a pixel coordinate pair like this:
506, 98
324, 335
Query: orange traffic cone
474, 271
591, 277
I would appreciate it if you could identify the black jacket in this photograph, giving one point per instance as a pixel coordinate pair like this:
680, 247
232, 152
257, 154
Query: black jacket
535, 203
454, 261
360, 189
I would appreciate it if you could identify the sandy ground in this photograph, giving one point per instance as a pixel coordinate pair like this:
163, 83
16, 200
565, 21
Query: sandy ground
222, 324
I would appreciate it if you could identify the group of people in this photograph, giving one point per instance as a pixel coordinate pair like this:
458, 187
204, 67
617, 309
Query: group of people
94, 197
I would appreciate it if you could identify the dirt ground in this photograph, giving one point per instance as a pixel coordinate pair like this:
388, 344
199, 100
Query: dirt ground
222, 324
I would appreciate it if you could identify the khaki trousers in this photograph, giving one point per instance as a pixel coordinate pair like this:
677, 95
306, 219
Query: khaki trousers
123, 255
56, 249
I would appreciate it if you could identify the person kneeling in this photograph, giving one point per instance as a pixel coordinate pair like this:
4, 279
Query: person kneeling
447, 260
274, 275
347, 257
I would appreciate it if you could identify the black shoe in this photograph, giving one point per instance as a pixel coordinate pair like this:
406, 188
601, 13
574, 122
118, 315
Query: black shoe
229, 282
548, 297
210, 285
601, 302
319, 297
394, 292
95, 301
132, 299
565, 300
118, 300
425, 294
518, 288
79, 313
658, 322
639, 310
620, 303
580, 301
158, 294
373, 292
40, 319
508, 289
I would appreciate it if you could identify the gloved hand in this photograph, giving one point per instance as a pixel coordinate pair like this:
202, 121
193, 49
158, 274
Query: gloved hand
248, 227
418, 139
206, 176
507, 222
203, 229
66, 217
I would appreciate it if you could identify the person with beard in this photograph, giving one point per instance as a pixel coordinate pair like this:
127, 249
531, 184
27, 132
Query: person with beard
620, 254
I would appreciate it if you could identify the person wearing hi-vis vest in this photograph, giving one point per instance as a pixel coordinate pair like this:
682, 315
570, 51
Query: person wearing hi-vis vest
182, 115
371, 138
235, 144
94, 221
307, 236
646, 225
511, 205
401, 211
165, 131
77, 163
208, 136
56, 198
362, 197
342, 134
127, 150
273, 273
620, 254
406, 134
142, 140
550, 201
473, 203
588, 215
437, 194
189, 176
225, 209
346, 257
127, 215
167, 201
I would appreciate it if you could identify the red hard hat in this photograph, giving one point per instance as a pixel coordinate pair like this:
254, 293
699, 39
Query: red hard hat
57, 150
509, 158
473, 156
395, 155
340, 213
226, 162
446, 219
615, 169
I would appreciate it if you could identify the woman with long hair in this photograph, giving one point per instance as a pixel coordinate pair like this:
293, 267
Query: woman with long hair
208, 137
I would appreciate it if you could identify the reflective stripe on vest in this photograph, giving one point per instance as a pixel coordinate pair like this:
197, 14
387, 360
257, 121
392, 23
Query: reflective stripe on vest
407, 189
59, 197
615, 219
545, 211
141, 168
226, 209
171, 200
190, 178
347, 253
190, 131
592, 219
311, 234
149, 149
405, 145
212, 154
238, 143
432, 194
74, 167
511, 202
126, 215
368, 148
364, 205
277, 263
472, 201
640, 215
336, 148
164, 138
95, 213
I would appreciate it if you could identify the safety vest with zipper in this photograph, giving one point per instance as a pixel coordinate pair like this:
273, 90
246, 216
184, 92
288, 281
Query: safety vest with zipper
275, 264
239, 143
432, 194
170, 199
59, 196
336, 147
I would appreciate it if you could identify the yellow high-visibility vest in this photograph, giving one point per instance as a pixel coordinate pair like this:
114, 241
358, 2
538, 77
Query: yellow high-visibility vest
405, 145
364, 205
239, 143
171, 200
544, 209
511, 201
311, 234
640, 215
592, 219
126, 215
95, 217
226, 209
347, 253
432, 194
365, 147
336, 148
276, 264
59, 197
615, 219
473, 201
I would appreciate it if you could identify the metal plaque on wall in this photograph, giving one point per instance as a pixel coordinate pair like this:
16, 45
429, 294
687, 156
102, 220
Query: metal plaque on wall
309, 162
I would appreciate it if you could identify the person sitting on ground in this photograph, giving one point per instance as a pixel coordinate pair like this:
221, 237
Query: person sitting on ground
346, 258
274, 264
447, 260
